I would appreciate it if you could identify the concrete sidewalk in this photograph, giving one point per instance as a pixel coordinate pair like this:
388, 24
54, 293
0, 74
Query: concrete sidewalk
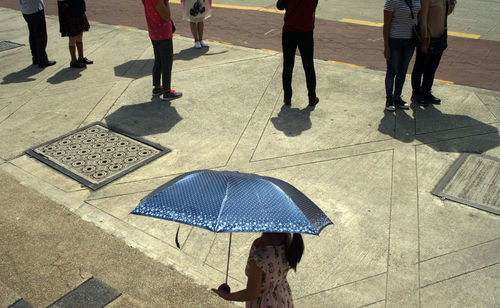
393, 243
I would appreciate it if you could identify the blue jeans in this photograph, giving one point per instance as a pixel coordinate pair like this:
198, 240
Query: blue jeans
397, 65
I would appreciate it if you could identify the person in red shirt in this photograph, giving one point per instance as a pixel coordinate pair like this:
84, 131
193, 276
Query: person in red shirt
160, 31
298, 32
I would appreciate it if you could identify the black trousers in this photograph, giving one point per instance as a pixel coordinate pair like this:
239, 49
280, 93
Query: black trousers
424, 70
37, 36
305, 42
162, 67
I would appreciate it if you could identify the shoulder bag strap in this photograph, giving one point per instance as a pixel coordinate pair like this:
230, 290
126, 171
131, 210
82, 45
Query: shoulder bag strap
410, 5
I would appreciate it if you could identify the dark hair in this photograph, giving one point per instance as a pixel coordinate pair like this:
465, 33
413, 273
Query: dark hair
294, 250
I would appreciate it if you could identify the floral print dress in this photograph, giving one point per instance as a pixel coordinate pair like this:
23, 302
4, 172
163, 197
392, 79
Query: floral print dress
274, 291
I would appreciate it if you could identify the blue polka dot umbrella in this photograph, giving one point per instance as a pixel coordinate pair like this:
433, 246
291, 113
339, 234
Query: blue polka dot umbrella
226, 201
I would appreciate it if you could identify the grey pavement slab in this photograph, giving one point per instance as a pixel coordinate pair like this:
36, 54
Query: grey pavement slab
393, 243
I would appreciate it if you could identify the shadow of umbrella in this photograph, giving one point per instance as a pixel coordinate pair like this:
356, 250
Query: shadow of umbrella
293, 121
22, 75
432, 120
144, 119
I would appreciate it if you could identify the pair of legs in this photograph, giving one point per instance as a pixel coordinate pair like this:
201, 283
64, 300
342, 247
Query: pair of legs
401, 52
37, 37
76, 43
422, 76
197, 31
305, 42
162, 69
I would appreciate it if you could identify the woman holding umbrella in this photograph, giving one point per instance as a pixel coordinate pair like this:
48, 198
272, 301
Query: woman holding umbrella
271, 256
231, 201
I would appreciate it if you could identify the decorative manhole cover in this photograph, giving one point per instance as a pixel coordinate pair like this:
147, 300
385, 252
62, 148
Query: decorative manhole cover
473, 180
95, 155
6, 45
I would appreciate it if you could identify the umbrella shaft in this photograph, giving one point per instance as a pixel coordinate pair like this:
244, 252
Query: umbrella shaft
228, 255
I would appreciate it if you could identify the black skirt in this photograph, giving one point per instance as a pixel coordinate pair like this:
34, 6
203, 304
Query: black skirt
71, 22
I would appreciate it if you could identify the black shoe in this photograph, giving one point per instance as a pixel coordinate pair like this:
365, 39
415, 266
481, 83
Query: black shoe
417, 99
431, 99
313, 101
389, 104
85, 61
287, 101
170, 95
77, 64
48, 63
401, 103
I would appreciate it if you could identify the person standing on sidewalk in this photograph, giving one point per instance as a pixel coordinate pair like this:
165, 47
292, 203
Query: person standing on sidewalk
72, 23
160, 32
433, 24
196, 11
399, 18
34, 14
298, 32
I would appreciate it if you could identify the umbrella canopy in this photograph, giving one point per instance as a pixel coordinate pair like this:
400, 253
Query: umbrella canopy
225, 201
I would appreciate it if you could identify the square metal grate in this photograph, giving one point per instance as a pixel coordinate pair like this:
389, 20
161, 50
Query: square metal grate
6, 45
473, 180
95, 155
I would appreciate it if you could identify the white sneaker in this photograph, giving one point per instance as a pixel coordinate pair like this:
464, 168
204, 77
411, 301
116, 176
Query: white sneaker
203, 43
197, 45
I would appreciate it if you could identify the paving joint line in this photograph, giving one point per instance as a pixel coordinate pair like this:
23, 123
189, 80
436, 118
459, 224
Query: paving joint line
459, 250
418, 226
459, 275
324, 150
390, 229
368, 305
252, 117
342, 285
326, 160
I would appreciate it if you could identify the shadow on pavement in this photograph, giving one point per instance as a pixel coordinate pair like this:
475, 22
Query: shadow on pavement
190, 53
144, 119
435, 121
293, 121
66, 74
136, 69
21, 76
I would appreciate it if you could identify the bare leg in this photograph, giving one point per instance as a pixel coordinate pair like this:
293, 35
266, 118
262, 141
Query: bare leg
200, 30
194, 31
79, 45
72, 48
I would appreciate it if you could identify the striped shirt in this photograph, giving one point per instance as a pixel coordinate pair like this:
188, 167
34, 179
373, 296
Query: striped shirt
31, 6
402, 23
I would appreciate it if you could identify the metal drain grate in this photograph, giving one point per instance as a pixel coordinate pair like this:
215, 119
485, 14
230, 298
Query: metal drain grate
95, 155
473, 180
6, 45
92, 293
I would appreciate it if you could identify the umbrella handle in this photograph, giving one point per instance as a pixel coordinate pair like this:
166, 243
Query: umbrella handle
228, 255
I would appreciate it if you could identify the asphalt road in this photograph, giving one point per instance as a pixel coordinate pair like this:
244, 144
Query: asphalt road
473, 62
